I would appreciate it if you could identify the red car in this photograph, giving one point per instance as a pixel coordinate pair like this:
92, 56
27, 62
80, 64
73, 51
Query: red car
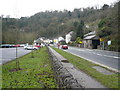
64, 46
38, 46
18, 45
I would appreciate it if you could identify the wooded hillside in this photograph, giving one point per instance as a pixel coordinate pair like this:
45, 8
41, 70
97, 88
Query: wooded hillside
51, 24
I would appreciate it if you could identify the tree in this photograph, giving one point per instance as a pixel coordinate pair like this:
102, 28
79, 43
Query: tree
46, 24
105, 6
80, 31
78, 15
78, 39
75, 24
69, 14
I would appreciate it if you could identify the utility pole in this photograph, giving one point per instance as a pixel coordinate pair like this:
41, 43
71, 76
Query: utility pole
58, 33
32, 52
103, 45
1, 51
1, 29
17, 61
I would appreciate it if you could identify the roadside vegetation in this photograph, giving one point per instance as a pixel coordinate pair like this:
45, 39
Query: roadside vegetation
35, 72
110, 81
0, 76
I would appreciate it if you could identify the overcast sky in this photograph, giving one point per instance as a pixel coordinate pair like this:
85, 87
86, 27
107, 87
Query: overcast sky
18, 8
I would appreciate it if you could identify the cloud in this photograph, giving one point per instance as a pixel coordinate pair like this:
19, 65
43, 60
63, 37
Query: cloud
18, 8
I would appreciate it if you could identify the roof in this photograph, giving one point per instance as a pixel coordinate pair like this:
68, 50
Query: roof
90, 37
91, 33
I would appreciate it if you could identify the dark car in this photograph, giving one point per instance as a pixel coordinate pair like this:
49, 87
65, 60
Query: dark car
6, 46
64, 46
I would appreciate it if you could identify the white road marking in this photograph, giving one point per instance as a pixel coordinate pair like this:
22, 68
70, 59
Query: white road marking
111, 56
116, 57
110, 68
100, 54
80, 50
90, 51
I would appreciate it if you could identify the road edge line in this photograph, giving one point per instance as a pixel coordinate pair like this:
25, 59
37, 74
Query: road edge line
112, 69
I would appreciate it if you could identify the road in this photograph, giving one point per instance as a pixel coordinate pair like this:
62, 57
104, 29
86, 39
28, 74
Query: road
8, 54
107, 59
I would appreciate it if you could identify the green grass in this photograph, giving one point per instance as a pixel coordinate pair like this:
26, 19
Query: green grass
0, 76
36, 72
110, 81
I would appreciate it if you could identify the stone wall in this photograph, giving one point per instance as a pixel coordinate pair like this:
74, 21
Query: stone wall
63, 77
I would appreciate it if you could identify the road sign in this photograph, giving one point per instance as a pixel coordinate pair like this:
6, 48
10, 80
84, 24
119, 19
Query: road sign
101, 39
80, 42
109, 42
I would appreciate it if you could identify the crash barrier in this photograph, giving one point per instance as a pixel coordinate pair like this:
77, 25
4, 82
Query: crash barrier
63, 77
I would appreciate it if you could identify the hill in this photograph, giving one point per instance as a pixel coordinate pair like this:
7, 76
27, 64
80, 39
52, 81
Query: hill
51, 24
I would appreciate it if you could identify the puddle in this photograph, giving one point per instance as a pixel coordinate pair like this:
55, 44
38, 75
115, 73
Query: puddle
103, 70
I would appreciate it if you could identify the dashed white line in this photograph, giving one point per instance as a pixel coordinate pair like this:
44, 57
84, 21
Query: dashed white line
111, 56
110, 68
89, 51
100, 54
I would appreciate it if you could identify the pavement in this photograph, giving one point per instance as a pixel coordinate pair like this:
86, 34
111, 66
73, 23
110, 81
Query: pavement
82, 78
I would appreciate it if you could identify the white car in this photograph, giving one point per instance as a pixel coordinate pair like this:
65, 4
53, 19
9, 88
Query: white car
22, 45
30, 47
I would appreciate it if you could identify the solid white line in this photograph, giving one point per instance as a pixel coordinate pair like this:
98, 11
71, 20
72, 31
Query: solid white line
110, 68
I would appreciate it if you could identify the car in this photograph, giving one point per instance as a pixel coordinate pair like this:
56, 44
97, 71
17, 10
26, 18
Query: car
64, 46
31, 47
25, 47
22, 45
18, 45
6, 46
37, 46
42, 45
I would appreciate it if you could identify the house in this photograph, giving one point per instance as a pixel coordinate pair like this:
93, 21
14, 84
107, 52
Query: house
68, 37
91, 40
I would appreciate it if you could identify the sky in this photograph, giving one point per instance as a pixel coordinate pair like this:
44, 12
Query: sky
26, 8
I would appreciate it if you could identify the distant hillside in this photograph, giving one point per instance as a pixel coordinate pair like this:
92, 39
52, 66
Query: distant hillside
51, 24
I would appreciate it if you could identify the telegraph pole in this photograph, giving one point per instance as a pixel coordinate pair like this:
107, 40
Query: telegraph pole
17, 61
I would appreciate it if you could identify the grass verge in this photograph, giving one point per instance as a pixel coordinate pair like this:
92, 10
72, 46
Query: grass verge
35, 72
110, 81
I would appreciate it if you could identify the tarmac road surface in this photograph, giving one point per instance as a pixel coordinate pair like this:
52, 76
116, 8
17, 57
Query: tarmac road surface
107, 58
8, 54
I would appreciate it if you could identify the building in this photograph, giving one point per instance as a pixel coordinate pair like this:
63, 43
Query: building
91, 40
68, 37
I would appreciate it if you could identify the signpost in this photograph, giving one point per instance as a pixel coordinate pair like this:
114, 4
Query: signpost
109, 42
102, 42
80, 42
